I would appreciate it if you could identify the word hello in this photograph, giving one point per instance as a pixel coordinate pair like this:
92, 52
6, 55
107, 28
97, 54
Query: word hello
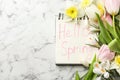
67, 33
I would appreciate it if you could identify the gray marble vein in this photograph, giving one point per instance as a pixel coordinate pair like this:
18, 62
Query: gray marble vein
27, 41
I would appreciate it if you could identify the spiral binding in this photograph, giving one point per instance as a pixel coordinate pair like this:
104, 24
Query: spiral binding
62, 15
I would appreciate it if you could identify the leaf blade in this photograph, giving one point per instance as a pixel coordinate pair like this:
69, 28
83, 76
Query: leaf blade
90, 71
77, 77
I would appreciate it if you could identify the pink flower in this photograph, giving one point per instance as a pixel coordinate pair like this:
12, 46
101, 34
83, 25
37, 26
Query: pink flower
105, 54
112, 6
107, 18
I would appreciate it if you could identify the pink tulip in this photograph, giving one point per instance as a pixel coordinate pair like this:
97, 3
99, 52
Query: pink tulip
107, 18
112, 6
105, 53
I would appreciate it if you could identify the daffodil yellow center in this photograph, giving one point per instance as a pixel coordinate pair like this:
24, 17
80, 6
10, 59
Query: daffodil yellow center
85, 3
72, 12
117, 60
101, 8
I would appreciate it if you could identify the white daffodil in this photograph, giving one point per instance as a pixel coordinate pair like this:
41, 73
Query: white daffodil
81, 12
106, 65
100, 6
116, 64
91, 7
101, 69
85, 3
91, 10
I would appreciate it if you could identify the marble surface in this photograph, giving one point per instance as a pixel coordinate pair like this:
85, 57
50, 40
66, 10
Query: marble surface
27, 41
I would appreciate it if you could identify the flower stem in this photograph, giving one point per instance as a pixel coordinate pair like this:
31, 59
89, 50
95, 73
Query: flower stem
113, 23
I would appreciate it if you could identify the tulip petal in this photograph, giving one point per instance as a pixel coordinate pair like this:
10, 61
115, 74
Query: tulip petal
112, 6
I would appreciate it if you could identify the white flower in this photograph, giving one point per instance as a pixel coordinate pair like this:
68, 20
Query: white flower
100, 6
118, 70
114, 66
91, 10
98, 78
101, 69
81, 12
106, 75
85, 3
106, 65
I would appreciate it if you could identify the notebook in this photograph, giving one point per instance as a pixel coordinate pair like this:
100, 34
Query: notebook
72, 42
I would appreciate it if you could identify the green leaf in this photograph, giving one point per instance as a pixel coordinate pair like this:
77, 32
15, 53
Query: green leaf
101, 39
95, 26
117, 31
110, 29
103, 30
118, 17
77, 77
117, 21
90, 73
94, 77
95, 31
114, 45
94, 45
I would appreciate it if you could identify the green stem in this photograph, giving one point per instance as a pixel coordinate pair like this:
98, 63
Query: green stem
113, 23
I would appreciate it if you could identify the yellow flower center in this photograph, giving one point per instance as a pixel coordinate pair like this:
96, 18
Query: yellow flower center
117, 60
103, 70
85, 3
72, 12
101, 9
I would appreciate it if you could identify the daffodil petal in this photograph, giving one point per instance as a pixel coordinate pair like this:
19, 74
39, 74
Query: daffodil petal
118, 70
91, 10
97, 71
106, 75
85, 3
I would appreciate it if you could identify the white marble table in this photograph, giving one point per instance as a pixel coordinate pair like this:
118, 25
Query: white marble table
27, 41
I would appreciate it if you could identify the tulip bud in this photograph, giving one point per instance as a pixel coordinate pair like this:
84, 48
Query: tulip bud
112, 6
105, 53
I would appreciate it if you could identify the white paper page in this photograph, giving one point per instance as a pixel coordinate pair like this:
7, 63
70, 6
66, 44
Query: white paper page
71, 40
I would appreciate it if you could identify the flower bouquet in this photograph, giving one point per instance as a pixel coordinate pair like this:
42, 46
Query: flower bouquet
104, 17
